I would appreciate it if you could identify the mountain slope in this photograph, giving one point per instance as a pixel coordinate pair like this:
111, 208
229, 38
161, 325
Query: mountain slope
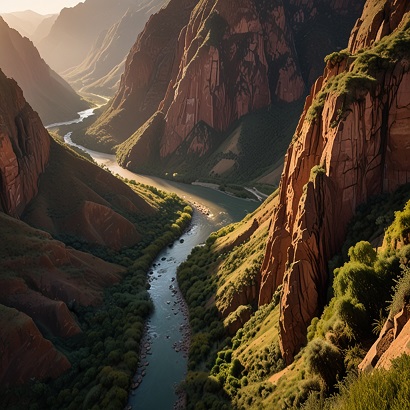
44, 284
36, 271
43, 29
25, 22
337, 242
48, 93
101, 70
148, 69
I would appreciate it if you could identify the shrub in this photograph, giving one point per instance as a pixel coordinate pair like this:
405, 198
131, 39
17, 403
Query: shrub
325, 360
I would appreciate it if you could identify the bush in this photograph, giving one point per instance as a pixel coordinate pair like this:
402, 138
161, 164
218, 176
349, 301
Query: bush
325, 360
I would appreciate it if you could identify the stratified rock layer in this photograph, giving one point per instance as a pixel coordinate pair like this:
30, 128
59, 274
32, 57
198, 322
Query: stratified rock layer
351, 143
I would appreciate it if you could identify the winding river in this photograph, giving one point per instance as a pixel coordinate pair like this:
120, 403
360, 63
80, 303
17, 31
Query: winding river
163, 361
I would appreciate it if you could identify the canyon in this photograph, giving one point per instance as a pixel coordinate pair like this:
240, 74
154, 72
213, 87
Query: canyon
203, 83
216, 64
37, 281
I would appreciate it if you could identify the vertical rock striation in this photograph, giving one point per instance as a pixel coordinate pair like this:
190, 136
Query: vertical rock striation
24, 149
352, 142
148, 71
219, 61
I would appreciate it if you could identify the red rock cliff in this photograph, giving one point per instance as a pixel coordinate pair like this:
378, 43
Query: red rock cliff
148, 70
231, 58
238, 57
352, 142
229, 51
24, 149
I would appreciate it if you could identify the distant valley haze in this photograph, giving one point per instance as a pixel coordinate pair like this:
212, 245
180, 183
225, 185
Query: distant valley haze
39, 6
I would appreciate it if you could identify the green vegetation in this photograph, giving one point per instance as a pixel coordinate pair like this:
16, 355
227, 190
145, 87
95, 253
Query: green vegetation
104, 357
256, 144
379, 390
243, 369
142, 147
362, 72
214, 280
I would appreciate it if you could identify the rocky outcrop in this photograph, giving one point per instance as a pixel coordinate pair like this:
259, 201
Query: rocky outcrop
24, 352
24, 149
101, 70
378, 20
150, 64
351, 143
393, 341
44, 89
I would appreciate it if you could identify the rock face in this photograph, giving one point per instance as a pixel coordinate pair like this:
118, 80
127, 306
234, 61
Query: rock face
351, 143
231, 59
101, 70
24, 151
149, 67
394, 340
44, 89
224, 69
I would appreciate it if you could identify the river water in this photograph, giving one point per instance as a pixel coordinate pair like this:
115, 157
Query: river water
164, 359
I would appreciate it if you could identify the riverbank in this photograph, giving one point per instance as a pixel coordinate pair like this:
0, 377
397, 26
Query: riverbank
260, 196
167, 331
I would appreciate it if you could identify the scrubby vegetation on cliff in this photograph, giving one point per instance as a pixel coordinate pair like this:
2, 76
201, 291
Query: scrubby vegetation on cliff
362, 71
243, 368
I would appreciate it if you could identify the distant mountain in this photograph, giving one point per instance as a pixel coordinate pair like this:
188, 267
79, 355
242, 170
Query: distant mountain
25, 22
47, 92
101, 70
43, 29
77, 29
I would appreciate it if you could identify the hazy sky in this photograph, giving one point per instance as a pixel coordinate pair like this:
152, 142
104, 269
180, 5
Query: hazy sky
39, 6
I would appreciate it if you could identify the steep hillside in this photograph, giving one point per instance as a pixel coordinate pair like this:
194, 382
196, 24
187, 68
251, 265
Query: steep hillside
232, 60
47, 288
101, 70
39, 279
350, 144
25, 149
77, 29
43, 29
148, 69
48, 93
